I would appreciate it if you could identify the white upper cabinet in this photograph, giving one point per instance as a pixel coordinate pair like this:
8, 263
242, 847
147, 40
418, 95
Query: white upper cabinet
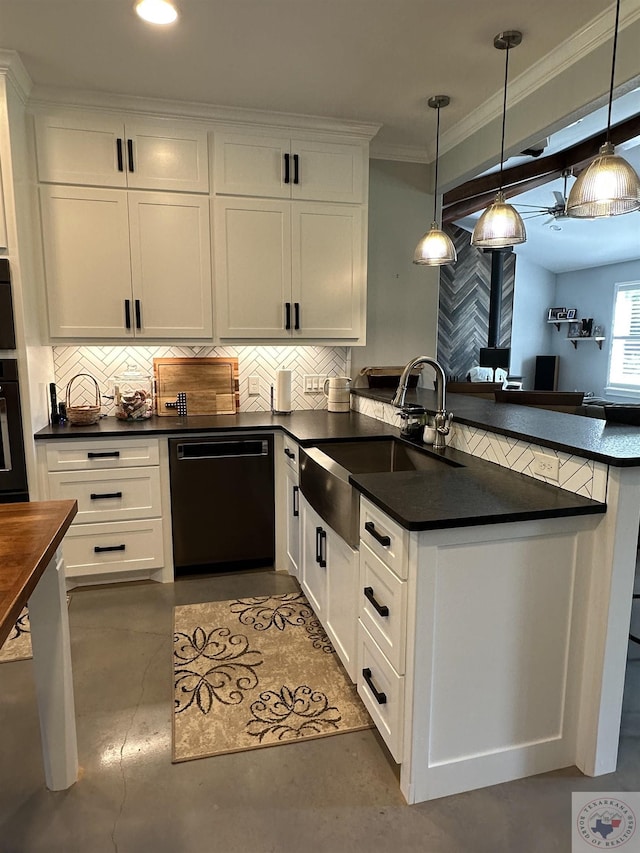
126, 265
98, 149
253, 164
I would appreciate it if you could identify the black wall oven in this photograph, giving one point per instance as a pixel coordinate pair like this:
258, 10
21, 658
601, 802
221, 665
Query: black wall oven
7, 329
13, 469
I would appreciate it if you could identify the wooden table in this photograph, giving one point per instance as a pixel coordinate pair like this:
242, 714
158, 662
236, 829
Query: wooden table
32, 571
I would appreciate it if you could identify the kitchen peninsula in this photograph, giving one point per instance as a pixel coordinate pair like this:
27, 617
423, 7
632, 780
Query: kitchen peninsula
556, 563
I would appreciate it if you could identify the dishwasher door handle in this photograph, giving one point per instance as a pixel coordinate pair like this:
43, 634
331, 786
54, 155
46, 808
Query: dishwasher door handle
221, 449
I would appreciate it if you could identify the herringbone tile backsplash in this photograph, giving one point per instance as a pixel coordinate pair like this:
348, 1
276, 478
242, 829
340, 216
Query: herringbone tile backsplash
103, 363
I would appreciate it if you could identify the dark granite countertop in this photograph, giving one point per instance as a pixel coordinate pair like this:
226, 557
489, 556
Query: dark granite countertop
476, 493
305, 427
592, 438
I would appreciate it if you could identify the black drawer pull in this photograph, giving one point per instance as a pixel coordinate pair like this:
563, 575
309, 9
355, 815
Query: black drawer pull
108, 454
286, 169
289, 453
119, 155
323, 549
296, 502
101, 549
296, 169
382, 609
381, 698
287, 315
318, 540
138, 314
370, 527
127, 313
130, 154
296, 314
99, 497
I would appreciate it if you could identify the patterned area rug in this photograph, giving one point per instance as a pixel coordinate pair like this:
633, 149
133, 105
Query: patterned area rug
17, 646
256, 672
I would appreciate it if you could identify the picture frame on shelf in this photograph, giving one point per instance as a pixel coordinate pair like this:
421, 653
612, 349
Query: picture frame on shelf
553, 313
572, 313
574, 329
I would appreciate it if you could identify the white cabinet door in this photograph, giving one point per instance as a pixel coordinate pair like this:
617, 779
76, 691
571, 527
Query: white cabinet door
87, 267
327, 171
293, 521
314, 570
328, 270
251, 164
342, 600
171, 267
166, 156
88, 148
81, 148
253, 268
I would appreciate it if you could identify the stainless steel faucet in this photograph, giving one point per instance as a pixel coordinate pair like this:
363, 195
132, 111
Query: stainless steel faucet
442, 417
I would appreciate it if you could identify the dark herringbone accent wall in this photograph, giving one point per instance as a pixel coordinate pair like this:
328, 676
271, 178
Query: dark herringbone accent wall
463, 315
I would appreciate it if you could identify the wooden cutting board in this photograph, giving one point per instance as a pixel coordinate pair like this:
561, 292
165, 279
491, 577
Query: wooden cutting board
211, 385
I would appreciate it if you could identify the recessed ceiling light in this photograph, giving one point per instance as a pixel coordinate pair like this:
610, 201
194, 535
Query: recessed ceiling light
156, 11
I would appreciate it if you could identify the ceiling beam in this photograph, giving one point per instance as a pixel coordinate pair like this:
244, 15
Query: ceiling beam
478, 192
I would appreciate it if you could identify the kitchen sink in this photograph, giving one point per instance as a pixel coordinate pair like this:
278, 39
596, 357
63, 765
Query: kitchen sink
325, 469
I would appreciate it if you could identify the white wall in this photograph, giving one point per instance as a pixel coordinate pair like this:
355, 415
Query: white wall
591, 292
402, 298
534, 294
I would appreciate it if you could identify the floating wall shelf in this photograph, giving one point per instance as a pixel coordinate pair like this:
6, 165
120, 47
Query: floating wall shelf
597, 339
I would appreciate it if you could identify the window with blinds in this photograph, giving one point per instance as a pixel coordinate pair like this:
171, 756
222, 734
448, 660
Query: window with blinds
624, 356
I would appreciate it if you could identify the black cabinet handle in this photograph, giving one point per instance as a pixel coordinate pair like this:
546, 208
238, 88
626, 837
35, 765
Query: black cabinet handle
296, 315
289, 453
296, 502
318, 541
107, 454
381, 698
101, 549
287, 315
127, 313
370, 527
99, 497
119, 155
286, 169
130, 154
296, 173
382, 609
323, 549
138, 315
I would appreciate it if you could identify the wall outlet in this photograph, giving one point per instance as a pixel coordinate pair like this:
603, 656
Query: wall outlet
254, 386
547, 466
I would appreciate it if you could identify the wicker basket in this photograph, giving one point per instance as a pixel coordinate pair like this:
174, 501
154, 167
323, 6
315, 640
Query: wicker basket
83, 415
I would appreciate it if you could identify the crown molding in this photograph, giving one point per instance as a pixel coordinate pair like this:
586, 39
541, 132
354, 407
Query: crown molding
402, 153
12, 67
48, 98
544, 71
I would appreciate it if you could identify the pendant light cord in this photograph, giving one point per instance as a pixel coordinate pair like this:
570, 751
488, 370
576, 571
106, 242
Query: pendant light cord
613, 67
504, 113
435, 188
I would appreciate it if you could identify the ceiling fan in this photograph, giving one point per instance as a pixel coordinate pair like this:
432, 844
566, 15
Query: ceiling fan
555, 212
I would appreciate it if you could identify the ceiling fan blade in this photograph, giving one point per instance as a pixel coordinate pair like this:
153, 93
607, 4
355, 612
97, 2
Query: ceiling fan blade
559, 197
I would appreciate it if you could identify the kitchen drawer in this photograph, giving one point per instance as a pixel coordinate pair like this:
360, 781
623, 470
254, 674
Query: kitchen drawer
388, 709
88, 455
290, 451
119, 546
109, 495
386, 538
387, 629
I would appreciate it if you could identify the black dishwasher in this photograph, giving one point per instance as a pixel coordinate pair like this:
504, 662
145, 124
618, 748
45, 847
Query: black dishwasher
222, 502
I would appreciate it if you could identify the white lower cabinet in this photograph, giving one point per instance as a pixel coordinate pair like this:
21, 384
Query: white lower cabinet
119, 531
293, 521
330, 581
469, 647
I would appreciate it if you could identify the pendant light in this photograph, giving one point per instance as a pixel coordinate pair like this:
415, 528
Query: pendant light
156, 11
609, 186
501, 225
435, 248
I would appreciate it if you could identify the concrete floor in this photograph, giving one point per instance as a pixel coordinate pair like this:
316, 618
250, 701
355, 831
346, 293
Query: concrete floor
326, 796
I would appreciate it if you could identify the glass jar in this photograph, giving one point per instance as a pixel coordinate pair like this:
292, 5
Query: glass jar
133, 394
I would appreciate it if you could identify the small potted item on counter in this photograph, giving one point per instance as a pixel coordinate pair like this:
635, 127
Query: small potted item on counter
133, 394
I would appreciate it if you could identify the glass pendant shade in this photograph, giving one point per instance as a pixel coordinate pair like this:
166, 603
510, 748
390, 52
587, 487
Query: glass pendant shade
435, 248
499, 226
609, 186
